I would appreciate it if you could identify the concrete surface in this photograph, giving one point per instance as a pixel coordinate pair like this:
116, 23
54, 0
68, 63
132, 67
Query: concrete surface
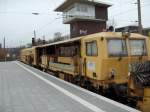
26, 89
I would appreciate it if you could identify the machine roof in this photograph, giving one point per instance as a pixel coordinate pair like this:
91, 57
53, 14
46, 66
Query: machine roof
62, 42
101, 34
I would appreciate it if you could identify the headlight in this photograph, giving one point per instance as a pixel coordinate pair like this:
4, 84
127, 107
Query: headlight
129, 74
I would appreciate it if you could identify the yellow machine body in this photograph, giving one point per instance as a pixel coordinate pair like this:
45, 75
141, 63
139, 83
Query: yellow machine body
74, 57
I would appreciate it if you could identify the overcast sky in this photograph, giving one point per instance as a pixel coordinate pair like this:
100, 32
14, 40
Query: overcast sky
17, 23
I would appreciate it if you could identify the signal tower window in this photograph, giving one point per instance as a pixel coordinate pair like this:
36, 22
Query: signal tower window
117, 47
82, 8
138, 47
91, 48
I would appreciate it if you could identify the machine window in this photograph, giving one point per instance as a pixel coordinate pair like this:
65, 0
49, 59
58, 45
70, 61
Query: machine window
68, 51
91, 48
117, 47
138, 47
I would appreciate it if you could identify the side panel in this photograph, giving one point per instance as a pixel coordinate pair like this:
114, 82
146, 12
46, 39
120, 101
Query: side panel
120, 67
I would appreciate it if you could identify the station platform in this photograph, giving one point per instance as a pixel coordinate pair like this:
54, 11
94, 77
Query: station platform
26, 89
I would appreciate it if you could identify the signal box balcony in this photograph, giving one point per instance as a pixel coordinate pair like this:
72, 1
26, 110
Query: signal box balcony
67, 19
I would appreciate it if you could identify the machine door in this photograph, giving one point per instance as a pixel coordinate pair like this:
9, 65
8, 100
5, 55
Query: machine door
91, 59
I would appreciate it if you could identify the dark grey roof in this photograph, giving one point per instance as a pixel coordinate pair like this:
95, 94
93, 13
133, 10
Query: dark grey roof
67, 3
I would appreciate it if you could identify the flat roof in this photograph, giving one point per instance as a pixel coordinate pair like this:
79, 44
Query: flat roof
68, 3
148, 28
100, 34
127, 26
62, 42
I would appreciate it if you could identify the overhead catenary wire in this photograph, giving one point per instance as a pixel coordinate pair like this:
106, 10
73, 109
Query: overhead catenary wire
127, 21
127, 12
46, 25
130, 10
40, 29
51, 22
23, 13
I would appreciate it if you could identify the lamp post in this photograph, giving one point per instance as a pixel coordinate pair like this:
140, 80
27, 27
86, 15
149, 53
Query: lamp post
5, 50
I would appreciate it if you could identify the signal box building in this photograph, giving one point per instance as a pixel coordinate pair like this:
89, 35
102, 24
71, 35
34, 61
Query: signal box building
84, 16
